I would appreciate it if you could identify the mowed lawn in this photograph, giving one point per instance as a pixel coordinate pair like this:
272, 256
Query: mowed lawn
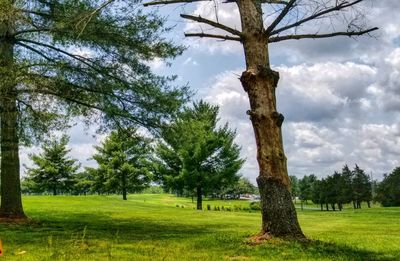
152, 227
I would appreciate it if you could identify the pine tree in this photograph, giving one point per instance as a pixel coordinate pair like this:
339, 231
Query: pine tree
388, 191
54, 170
197, 155
65, 58
124, 162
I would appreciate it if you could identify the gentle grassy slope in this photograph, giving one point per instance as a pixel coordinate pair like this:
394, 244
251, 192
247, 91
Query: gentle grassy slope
151, 227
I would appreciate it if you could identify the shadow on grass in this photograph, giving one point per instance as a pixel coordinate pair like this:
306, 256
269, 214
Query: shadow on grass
315, 249
105, 227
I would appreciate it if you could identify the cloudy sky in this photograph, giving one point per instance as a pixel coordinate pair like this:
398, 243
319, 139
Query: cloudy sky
340, 97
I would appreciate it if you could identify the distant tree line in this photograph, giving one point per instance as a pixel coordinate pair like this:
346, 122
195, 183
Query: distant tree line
191, 156
332, 192
347, 187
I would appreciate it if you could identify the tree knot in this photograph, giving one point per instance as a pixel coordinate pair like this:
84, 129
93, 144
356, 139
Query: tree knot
248, 79
278, 117
266, 72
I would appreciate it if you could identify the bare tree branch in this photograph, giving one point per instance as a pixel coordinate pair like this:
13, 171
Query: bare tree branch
166, 2
335, 8
282, 15
222, 37
278, 2
36, 30
212, 23
317, 36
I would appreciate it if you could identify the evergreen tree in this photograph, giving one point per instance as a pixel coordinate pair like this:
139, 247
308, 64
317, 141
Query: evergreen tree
195, 154
362, 187
66, 58
388, 191
346, 193
54, 171
124, 164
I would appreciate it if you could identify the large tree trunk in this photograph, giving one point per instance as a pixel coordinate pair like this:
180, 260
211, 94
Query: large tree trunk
279, 216
11, 203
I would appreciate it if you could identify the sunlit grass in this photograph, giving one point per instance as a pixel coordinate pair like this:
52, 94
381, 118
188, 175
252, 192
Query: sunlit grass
152, 227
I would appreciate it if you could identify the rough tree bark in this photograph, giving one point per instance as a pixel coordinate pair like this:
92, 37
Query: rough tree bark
279, 216
11, 203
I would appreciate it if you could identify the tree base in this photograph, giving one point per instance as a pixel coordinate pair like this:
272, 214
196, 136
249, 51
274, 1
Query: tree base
12, 218
279, 217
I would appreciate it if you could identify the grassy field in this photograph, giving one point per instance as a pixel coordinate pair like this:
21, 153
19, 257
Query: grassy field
157, 227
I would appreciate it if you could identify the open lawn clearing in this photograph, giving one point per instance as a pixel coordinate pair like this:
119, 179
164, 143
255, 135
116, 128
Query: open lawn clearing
152, 227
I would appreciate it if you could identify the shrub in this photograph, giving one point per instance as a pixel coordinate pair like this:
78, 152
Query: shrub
256, 205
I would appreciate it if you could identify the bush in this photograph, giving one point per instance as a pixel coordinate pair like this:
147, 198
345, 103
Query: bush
256, 205
208, 207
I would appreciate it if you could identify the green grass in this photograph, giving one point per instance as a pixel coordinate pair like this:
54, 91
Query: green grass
151, 227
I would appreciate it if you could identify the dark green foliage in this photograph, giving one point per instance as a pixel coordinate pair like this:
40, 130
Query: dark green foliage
195, 155
242, 186
295, 190
306, 186
338, 189
388, 191
71, 60
54, 171
83, 183
362, 187
124, 163
256, 205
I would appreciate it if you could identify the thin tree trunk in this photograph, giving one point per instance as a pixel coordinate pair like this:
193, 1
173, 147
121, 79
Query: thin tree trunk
199, 198
369, 204
54, 191
279, 216
11, 203
124, 192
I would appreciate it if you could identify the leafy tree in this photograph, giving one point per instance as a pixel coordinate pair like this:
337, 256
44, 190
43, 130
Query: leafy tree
54, 171
195, 154
287, 20
295, 190
305, 187
388, 191
241, 187
66, 58
124, 164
